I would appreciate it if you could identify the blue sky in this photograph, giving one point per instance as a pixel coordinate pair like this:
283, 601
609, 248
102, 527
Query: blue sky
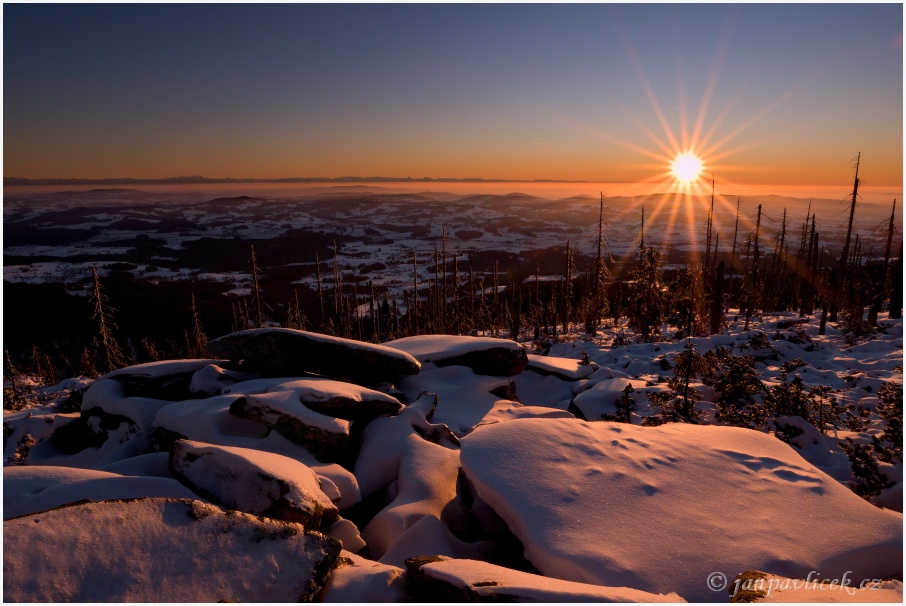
788, 93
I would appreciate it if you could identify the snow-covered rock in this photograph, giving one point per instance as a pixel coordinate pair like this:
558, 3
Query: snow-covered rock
106, 404
563, 368
347, 533
453, 580
484, 355
385, 443
284, 412
544, 390
341, 400
161, 550
164, 380
659, 509
260, 483
31, 489
464, 399
427, 483
601, 399
212, 380
358, 580
286, 352
756, 586
209, 420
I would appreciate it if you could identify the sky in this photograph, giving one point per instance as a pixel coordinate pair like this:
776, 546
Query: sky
763, 94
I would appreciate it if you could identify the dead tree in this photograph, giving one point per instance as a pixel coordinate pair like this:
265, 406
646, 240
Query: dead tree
601, 273
896, 293
257, 303
710, 230
113, 356
568, 289
852, 213
414, 311
320, 293
199, 342
754, 279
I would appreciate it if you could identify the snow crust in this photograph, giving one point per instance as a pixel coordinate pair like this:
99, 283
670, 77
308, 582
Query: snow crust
661, 508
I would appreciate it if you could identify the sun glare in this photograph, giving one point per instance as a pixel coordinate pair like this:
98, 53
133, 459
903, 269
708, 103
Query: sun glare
686, 167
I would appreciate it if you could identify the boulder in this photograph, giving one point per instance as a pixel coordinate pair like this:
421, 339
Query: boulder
165, 380
275, 352
209, 421
161, 550
756, 586
284, 412
357, 580
212, 380
438, 578
34, 488
341, 400
484, 355
255, 482
566, 369
662, 508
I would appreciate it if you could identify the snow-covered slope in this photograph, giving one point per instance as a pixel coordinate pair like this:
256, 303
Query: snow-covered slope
399, 457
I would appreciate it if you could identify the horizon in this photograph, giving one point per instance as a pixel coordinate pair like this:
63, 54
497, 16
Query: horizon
725, 194
581, 93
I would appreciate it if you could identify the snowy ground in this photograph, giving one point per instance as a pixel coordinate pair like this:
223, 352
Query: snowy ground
486, 480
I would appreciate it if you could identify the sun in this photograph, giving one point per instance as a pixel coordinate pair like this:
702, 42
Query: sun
686, 167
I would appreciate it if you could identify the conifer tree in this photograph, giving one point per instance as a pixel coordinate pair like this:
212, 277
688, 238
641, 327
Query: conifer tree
646, 310
624, 405
678, 405
737, 381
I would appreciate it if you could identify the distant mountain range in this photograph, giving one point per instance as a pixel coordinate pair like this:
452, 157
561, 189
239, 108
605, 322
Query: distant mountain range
195, 180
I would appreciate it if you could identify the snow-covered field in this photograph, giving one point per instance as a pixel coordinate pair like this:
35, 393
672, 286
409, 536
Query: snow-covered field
58, 237
460, 473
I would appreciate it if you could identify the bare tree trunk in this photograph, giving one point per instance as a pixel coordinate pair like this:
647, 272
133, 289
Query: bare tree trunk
256, 291
199, 338
105, 341
320, 293
414, 311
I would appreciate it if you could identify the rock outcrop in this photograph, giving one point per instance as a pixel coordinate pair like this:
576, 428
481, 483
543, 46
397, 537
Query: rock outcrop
484, 355
276, 352
161, 550
255, 482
